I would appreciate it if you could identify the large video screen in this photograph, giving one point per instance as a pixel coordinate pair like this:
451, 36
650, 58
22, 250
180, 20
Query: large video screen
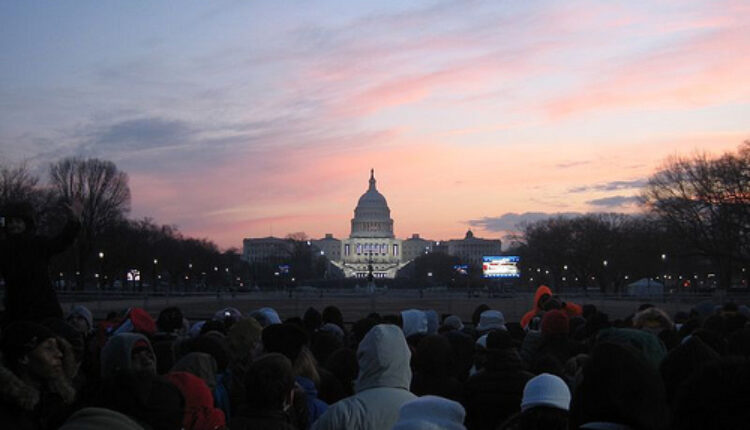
501, 266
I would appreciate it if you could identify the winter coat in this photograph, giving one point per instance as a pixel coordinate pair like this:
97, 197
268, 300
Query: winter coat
315, 406
570, 308
381, 388
494, 394
26, 406
24, 264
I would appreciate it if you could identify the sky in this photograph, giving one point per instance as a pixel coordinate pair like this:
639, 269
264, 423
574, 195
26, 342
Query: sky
238, 119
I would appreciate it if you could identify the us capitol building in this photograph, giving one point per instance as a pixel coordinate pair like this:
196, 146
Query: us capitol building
372, 243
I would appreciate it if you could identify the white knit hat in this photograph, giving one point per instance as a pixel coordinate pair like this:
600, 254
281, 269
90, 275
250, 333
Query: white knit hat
546, 390
491, 320
431, 413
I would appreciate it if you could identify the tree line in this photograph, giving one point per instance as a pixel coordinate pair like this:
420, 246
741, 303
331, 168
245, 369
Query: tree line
112, 250
693, 232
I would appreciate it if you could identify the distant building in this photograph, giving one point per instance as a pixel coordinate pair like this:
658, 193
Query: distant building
471, 249
269, 250
329, 246
372, 243
416, 246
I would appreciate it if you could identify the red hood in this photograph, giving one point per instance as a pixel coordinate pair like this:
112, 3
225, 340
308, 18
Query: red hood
542, 290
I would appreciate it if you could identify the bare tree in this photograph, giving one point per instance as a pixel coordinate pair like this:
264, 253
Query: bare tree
18, 184
101, 187
103, 190
707, 202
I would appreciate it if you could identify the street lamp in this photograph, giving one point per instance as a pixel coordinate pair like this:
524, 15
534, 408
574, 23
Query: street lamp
156, 261
101, 267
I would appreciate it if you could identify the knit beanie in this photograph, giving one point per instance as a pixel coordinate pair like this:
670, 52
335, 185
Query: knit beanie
100, 418
83, 312
546, 390
454, 322
20, 338
491, 320
266, 316
555, 322
431, 413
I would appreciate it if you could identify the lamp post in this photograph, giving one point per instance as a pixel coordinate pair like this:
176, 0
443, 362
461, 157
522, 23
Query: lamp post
189, 277
156, 262
101, 267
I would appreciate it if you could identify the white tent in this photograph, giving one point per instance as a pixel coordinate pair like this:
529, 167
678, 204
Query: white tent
645, 287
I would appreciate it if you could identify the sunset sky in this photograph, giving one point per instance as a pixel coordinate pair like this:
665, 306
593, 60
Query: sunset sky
256, 118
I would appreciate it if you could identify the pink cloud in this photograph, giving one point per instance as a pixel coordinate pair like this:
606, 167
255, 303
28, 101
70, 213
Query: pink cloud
704, 71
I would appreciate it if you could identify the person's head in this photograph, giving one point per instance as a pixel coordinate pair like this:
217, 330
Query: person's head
81, 319
287, 339
19, 218
170, 320
545, 390
127, 351
431, 412
32, 350
555, 322
243, 340
653, 319
618, 385
15, 225
332, 314
545, 403
270, 383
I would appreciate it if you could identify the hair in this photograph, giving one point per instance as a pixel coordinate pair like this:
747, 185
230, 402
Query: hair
268, 382
305, 365
332, 314
653, 315
170, 319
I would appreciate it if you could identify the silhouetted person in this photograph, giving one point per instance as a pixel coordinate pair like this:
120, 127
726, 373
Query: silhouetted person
24, 262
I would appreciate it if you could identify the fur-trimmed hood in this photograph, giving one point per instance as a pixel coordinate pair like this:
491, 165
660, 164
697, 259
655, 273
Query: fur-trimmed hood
26, 396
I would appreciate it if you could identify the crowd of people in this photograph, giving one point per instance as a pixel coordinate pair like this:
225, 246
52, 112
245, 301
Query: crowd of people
562, 366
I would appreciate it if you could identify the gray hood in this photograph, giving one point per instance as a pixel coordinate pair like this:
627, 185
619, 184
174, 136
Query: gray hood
116, 354
383, 357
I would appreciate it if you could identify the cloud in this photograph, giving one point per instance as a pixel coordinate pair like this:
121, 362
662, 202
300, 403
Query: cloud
143, 133
569, 164
614, 201
513, 221
611, 186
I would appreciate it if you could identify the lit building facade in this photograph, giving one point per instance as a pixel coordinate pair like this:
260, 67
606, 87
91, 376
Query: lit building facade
372, 243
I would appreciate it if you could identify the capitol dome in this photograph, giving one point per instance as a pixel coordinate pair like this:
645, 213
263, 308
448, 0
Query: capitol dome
372, 218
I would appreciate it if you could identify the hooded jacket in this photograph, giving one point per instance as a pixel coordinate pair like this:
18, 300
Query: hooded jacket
26, 406
570, 308
24, 264
116, 354
381, 388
